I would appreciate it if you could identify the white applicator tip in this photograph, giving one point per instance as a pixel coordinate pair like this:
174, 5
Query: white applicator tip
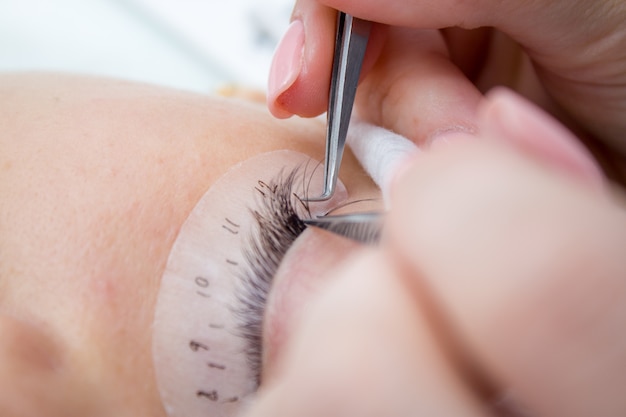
380, 152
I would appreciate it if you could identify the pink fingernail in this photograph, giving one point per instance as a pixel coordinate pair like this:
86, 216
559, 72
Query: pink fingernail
509, 117
286, 66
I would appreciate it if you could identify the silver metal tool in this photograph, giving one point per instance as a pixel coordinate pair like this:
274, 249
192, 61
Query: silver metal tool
350, 44
362, 227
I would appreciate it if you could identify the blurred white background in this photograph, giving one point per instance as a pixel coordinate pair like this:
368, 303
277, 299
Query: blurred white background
197, 45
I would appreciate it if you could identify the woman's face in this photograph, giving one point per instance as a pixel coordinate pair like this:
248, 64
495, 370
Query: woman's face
97, 179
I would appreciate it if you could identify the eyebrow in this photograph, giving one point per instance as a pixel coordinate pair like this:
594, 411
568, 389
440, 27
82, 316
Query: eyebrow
278, 225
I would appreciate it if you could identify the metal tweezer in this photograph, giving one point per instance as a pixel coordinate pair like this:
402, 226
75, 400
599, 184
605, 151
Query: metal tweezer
350, 44
362, 227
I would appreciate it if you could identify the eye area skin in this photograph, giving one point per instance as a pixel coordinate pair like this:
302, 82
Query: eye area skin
96, 178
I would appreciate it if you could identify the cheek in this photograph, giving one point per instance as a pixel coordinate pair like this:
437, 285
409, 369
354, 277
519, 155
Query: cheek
301, 276
36, 374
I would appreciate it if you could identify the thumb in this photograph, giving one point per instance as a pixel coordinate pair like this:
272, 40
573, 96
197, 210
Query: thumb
300, 73
541, 26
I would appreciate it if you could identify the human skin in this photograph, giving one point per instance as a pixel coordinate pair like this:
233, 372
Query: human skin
96, 178
426, 72
499, 277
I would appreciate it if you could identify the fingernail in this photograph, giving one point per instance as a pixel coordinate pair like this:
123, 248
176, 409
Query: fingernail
286, 66
508, 117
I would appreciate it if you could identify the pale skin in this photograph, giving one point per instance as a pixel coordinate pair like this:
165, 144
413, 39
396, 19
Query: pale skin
502, 269
96, 178
100, 176
501, 273
429, 63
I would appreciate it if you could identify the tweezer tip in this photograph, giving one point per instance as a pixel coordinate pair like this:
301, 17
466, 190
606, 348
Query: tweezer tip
324, 197
361, 227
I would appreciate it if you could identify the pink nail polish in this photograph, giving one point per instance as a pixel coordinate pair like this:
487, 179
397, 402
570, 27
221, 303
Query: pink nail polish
286, 66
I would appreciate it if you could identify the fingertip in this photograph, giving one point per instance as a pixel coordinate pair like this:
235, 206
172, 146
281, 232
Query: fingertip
303, 98
512, 252
300, 71
276, 108
285, 68
507, 117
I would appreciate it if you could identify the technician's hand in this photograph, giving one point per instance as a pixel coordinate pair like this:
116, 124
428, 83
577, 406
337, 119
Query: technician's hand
501, 273
423, 83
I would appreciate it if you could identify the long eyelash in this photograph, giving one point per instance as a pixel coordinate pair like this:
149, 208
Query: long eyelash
278, 225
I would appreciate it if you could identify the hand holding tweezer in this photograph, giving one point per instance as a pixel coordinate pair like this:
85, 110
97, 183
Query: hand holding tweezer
350, 45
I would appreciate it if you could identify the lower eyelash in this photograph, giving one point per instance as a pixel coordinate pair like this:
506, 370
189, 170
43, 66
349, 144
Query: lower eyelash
278, 226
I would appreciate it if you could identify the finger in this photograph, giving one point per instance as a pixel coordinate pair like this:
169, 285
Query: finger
517, 18
416, 91
300, 72
526, 260
575, 46
363, 348
507, 117
468, 49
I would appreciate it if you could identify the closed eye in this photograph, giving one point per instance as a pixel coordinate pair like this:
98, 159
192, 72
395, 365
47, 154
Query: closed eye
278, 225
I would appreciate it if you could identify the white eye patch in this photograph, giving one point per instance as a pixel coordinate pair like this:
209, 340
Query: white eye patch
199, 354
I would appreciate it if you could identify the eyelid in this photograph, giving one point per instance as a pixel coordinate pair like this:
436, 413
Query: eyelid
194, 326
279, 216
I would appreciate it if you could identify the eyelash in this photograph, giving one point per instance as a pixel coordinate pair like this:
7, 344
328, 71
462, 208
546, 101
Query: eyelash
278, 226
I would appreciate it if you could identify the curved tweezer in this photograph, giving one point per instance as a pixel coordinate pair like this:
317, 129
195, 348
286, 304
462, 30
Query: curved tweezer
350, 45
